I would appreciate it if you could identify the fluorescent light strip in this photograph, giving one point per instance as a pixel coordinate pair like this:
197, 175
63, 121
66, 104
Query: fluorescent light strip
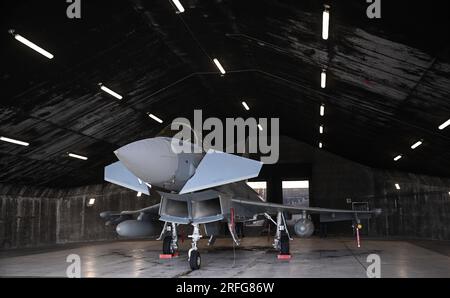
397, 157
178, 5
155, 118
109, 91
77, 156
17, 142
245, 105
325, 22
416, 144
260, 127
33, 46
320, 145
321, 129
322, 110
219, 66
444, 125
323, 79
397, 186
91, 201
139, 194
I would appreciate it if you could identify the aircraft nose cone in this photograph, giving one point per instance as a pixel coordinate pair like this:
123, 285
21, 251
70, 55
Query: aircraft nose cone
151, 160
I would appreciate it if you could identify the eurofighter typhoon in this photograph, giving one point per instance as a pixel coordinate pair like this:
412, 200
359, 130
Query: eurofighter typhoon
205, 190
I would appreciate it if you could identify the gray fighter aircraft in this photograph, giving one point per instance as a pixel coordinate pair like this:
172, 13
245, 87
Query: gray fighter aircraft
201, 189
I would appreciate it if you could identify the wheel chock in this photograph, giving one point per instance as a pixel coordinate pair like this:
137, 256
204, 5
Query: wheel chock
169, 256
284, 257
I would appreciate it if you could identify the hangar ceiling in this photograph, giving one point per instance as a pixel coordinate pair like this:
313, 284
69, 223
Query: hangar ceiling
388, 80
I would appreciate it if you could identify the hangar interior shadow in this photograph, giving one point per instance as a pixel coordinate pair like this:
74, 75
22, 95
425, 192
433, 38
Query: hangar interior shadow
388, 85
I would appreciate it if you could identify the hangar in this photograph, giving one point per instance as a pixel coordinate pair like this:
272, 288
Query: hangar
360, 93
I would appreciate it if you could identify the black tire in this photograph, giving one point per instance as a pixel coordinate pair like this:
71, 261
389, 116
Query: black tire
284, 245
195, 261
167, 245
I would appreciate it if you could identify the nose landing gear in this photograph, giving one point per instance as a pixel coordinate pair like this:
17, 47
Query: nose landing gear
194, 255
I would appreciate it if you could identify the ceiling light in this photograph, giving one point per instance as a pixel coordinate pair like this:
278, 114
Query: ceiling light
323, 79
245, 105
178, 5
17, 142
219, 66
322, 110
397, 157
321, 129
260, 127
325, 22
77, 156
91, 202
33, 46
109, 91
157, 119
416, 144
139, 194
444, 125
397, 186
320, 145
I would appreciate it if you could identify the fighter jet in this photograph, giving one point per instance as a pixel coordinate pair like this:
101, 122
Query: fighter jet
204, 190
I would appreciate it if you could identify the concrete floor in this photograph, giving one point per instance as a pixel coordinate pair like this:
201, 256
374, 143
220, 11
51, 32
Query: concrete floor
314, 257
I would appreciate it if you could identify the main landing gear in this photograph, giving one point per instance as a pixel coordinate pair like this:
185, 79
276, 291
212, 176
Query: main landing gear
282, 237
170, 240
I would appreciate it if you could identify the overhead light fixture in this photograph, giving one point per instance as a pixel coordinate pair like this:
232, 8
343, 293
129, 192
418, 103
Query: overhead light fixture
397, 157
323, 79
32, 45
178, 5
444, 125
219, 66
17, 142
157, 119
109, 91
321, 129
322, 110
78, 156
397, 186
245, 105
320, 145
260, 127
325, 22
139, 194
91, 202
416, 144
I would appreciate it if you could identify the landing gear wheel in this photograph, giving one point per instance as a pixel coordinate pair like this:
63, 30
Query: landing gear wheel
167, 246
284, 245
195, 261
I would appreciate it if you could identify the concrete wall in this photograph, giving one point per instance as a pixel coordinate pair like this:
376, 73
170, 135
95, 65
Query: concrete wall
32, 216
420, 209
